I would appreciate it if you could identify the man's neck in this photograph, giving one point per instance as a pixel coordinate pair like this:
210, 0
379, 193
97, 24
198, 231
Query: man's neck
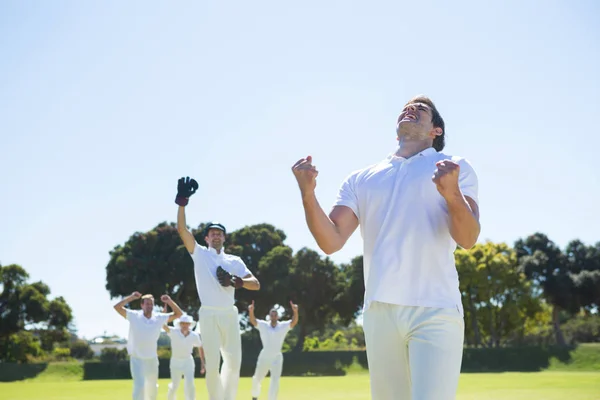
148, 314
186, 333
273, 324
408, 148
217, 250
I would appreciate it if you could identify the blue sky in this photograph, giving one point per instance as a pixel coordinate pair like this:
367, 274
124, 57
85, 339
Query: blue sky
104, 105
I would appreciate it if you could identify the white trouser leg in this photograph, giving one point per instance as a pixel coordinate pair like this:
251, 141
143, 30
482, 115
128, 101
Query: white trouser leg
262, 368
150, 379
189, 388
176, 373
414, 353
232, 353
211, 342
137, 374
387, 354
276, 367
435, 348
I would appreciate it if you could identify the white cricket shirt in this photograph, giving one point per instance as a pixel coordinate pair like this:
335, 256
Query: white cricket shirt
144, 333
404, 223
272, 337
182, 346
210, 291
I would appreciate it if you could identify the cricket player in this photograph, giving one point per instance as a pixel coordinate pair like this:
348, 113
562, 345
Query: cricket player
144, 329
218, 275
272, 335
183, 341
413, 207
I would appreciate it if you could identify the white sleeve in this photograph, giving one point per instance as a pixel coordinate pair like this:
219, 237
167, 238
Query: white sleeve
130, 313
287, 324
198, 249
261, 324
347, 194
242, 269
197, 341
467, 180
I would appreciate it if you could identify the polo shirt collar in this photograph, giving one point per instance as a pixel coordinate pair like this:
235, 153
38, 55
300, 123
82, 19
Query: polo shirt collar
213, 251
424, 153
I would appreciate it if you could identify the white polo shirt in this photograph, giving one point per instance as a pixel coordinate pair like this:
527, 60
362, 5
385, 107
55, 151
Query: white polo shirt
210, 291
182, 346
408, 250
272, 337
144, 333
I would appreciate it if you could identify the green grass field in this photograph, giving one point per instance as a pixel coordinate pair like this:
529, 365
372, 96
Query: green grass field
548, 385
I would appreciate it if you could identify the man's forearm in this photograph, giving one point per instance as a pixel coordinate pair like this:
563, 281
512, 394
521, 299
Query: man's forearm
320, 225
181, 222
125, 301
251, 283
464, 225
176, 310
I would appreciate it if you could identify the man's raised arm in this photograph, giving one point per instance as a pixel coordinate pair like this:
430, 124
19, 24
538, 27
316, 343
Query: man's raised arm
330, 231
185, 188
120, 306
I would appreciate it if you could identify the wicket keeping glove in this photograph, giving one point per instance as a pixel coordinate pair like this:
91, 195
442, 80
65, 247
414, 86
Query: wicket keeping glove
227, 279
185, 188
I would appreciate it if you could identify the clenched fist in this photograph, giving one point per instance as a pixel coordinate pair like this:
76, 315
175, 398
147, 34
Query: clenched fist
306, 174
165, 298
251, 307
136, 295
445, 178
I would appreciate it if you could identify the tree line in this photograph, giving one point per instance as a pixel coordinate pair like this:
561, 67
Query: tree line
528, 293
511, 295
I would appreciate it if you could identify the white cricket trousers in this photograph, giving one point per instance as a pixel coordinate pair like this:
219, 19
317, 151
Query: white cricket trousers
182, 367
267, 362
144, 372
220, 332
414, 353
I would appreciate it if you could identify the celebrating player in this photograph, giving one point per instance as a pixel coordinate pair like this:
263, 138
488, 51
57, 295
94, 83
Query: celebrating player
183, 341
272, 335
413, 207
142, 344
218, 275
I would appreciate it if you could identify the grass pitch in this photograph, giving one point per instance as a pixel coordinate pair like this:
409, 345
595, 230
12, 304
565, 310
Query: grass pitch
501, 386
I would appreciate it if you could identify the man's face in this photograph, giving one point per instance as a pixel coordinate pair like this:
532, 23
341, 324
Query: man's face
415, 122
215, 238
185, 327
274, 316
147, 305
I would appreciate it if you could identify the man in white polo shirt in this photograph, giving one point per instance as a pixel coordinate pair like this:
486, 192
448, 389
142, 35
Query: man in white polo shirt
142, 344
414, 207
272, 335
183, 341
218, 275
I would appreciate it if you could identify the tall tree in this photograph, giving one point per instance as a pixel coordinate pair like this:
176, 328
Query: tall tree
584, 266
26, 306
353, 290
547, 267
315, 286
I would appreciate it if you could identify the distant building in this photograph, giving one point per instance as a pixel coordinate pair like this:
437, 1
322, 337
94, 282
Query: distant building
102, 342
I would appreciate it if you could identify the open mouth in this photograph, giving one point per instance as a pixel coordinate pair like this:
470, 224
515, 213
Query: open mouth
410, 117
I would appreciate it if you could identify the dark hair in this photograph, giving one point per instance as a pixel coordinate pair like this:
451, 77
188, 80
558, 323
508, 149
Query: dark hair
438, 122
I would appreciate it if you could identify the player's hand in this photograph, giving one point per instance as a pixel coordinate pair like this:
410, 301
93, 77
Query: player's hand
237, 282
165, 298
294, 306
306, 174
445, 178
185, 188
136, 295
202, 369
251, 307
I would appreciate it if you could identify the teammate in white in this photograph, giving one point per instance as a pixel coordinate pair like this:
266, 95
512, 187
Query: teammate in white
183, 341
142, 344
272, 335
218, 275
413, 208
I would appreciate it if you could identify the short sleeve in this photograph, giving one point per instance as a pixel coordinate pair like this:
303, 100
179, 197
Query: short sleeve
198, 249
347, 194
286, 324
242, 269
163, 318
130, 313
261, 324
467, 180
197, 341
